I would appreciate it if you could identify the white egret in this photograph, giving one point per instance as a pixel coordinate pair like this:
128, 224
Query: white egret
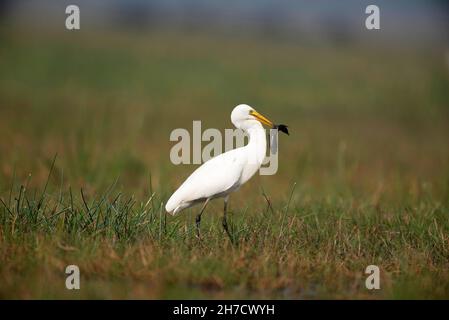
225, 173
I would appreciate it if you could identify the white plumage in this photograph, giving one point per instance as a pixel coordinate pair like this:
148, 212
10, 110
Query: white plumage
225, 173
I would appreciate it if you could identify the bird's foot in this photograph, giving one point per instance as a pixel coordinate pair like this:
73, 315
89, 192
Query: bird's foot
198, 234
197, 223
225, 227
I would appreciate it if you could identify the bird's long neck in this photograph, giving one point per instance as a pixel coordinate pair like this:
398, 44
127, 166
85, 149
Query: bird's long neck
257, 146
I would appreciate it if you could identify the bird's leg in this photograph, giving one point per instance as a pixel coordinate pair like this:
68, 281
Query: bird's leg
198, 218
224, 222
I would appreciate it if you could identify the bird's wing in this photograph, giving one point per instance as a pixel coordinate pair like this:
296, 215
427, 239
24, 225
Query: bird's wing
214, 177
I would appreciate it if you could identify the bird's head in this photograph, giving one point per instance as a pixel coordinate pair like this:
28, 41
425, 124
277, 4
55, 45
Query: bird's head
244, 117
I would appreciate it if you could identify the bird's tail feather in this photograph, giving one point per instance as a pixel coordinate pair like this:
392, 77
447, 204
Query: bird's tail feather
171, 205
174, 204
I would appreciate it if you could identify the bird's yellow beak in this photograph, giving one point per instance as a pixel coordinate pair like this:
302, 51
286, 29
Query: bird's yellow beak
264, 120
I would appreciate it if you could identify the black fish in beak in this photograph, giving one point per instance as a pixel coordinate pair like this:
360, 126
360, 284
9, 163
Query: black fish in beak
281, 127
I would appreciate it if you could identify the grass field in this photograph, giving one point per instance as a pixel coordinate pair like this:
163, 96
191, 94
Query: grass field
84, 168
